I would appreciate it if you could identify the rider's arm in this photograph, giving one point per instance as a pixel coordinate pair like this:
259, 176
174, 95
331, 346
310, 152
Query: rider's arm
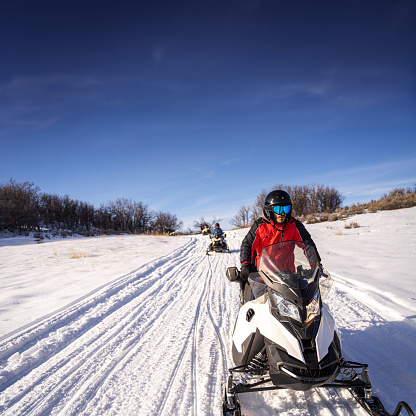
311, 250
248, 245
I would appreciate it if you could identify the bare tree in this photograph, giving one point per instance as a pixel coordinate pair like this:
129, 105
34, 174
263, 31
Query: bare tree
198, 224
142, 217
70, 208
86, 215
215, 220
326, 200
19, 206
165, 221
257, 207
242, 218
51, 210
211, 223
300, 199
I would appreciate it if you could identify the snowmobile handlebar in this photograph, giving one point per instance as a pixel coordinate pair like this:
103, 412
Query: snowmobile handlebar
233, 274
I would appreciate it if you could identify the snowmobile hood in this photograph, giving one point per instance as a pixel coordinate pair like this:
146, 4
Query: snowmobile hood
284, 267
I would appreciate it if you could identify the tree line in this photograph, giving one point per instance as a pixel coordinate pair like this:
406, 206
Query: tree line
307, 200
23, 207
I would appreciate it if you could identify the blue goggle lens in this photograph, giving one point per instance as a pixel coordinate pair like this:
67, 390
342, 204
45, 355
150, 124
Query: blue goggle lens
281, 209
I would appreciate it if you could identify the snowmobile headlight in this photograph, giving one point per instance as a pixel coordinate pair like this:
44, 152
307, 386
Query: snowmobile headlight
286, 308
312, 309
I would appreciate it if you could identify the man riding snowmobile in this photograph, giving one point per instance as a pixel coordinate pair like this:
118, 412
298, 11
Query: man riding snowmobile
217, 231
205, 229
218, 243
275, 225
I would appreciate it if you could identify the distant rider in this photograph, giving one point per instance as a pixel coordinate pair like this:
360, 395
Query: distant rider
275, 225
217, 231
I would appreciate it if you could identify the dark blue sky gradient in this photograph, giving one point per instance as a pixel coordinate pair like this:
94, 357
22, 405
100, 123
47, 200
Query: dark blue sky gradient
195, 107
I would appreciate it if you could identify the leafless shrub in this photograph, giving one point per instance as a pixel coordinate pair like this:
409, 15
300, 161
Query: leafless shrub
334, 217
38, 236
312, 219
356, 209
396, 199
352, 225
76, 254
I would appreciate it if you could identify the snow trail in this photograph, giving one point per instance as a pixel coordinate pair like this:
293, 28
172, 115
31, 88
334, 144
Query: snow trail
139, 343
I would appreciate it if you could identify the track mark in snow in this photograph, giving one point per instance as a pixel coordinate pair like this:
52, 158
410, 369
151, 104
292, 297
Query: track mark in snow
192, 335
215, 325
70, 365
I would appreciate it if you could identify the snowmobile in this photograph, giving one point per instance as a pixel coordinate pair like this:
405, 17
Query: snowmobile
218, 244
206, 230
285, 336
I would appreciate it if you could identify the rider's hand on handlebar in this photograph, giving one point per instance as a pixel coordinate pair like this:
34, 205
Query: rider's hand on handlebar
246, 269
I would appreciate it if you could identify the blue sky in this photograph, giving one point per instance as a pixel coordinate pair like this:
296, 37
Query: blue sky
195, 107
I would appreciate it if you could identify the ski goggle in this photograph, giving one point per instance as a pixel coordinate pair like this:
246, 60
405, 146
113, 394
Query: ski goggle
278, 209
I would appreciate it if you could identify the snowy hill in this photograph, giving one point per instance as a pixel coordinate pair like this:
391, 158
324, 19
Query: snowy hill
140, 325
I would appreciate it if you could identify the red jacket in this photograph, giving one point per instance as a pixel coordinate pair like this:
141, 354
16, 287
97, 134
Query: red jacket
266, 232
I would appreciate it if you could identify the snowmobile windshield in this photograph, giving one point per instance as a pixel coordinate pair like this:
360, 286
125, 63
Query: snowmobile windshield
287, 263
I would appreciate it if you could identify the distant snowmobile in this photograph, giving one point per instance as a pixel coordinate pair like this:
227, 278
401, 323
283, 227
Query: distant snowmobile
218, 244
206, 230
286, 337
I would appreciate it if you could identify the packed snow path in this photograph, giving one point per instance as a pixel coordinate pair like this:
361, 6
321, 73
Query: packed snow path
153, 343
157, 342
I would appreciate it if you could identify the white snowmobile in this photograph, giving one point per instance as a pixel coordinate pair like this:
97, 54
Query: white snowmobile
286, 337
206, 230
218, 244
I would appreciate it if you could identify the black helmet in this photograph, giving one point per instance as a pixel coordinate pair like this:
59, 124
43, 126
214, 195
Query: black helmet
216, 224
274, 198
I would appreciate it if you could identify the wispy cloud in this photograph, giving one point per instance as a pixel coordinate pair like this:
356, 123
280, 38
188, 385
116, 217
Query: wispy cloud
362, 71
272, 92
380, 168
206, 200
381, 187
21, 116
365, 182
160, 50
202, 174
319, 88
158, 53
35, 102
229, 162
26, 83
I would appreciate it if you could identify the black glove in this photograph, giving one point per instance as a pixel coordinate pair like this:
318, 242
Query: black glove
246, 269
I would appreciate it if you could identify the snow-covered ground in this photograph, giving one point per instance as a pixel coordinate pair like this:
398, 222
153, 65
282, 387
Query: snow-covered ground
140, 325
39, 278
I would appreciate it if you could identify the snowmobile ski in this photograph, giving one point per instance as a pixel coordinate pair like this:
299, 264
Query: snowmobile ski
357, 382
